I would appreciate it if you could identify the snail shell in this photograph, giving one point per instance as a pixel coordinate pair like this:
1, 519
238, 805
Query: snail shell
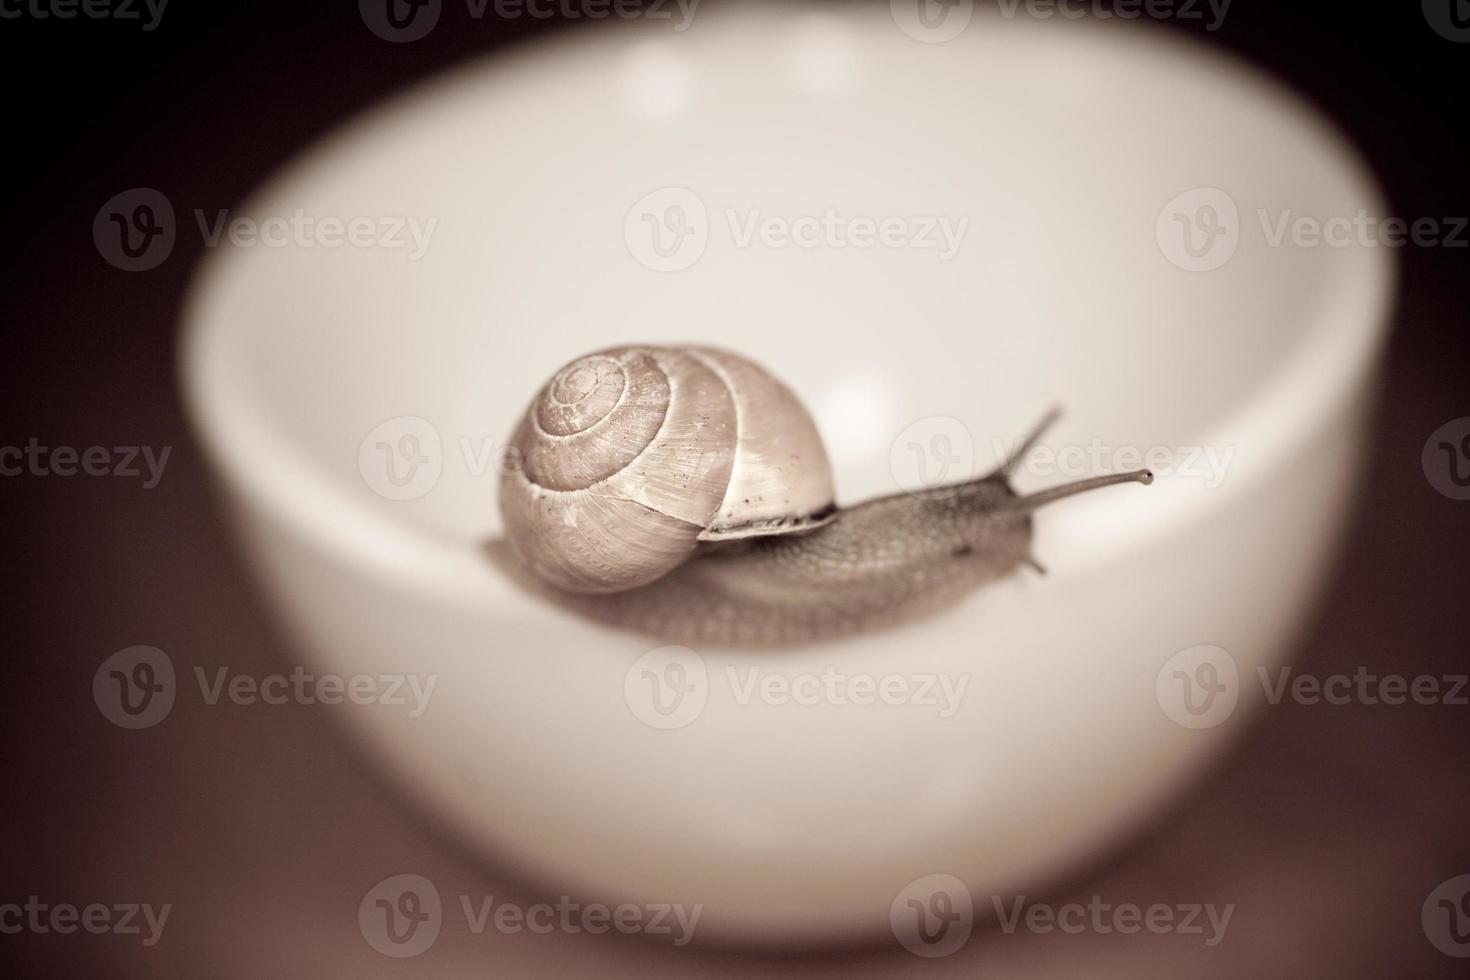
631, 456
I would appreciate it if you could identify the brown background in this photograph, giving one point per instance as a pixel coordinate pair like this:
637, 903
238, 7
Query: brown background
1327, 826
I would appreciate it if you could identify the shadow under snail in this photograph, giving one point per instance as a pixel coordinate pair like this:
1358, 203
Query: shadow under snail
685, 493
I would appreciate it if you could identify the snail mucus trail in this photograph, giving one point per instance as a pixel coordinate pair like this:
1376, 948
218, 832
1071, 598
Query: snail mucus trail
832, 571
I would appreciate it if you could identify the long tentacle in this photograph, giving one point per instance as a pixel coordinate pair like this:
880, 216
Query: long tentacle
1032, 501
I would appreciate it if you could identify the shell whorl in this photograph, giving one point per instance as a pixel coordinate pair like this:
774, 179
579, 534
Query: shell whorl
628, 457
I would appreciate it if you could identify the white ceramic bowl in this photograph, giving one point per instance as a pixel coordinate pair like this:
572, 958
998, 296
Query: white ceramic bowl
1066, 146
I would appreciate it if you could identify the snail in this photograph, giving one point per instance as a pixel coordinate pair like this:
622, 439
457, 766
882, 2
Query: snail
685, 493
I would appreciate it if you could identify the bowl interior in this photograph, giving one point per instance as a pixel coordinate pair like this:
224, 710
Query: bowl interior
1049, 148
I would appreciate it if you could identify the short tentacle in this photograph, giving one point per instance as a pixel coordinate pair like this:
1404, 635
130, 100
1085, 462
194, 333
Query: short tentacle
1020, 453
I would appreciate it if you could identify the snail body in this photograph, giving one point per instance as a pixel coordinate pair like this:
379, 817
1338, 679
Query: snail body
780, 565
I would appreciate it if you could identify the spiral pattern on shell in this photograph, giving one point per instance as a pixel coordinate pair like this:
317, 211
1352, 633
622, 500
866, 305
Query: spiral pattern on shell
628, 457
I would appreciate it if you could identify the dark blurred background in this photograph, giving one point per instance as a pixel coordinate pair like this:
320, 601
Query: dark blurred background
1328, 828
